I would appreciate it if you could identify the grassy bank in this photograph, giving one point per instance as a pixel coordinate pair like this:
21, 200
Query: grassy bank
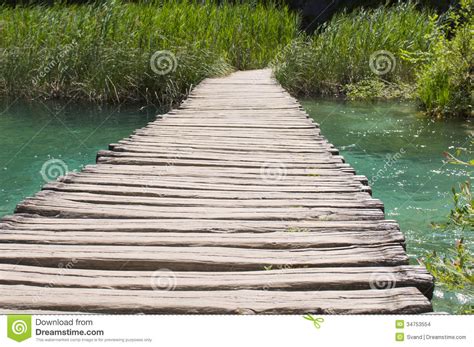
102, 52
400, 51
445, 78
356, 48
110, 51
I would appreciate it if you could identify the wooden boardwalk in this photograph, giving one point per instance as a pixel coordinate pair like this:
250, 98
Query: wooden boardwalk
232, 203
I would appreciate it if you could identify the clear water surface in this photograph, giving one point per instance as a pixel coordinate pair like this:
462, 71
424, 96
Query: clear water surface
401, 154
33, 134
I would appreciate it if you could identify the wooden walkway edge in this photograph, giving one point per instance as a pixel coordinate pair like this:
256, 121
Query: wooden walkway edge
232, 203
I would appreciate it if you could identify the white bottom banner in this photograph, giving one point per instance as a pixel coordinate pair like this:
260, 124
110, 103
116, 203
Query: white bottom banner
162, 330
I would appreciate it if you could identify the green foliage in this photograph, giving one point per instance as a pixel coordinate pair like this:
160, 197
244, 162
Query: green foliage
462, 215
340, 54
445, 79
375, 89
102, 51
453, 269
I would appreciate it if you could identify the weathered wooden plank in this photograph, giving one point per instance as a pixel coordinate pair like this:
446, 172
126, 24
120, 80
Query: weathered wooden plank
232, 97
301, 114
214, 143
302, 279
73, 209
225, 143
195, 177
190, 193
228, 141
219, 152
236, 180
155, 130
247, 118
243, 186
199, 258
35, 222
243, 107
222, 144
162, 201
252, 124
325, 159
197, 102
390, 301
174, 147
137, 160
178, 171
223, 123
257, 115
293, 238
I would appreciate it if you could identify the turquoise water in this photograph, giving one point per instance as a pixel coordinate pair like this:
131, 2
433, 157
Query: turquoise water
401, 154
34, 134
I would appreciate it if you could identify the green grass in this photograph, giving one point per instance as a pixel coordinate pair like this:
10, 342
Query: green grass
340, 53
445, 78
102, 52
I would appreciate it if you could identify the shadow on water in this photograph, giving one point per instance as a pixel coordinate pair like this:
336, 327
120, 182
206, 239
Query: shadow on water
401, 153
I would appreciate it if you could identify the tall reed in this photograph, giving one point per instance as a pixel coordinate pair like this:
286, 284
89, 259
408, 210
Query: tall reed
102, 51
346, 49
